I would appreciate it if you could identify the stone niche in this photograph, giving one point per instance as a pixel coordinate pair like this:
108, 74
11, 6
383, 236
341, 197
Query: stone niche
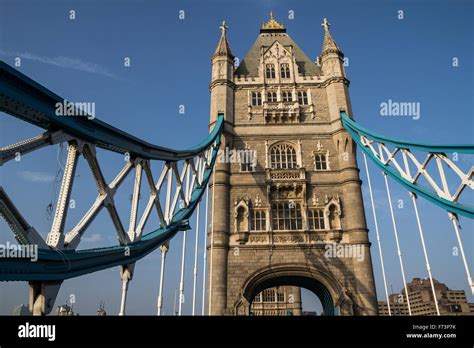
242, 220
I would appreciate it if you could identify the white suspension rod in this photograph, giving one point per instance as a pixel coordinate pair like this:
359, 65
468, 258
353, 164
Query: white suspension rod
377, 234
455, 222
205, 255
164, 250
428, 268
181, 283
395, 230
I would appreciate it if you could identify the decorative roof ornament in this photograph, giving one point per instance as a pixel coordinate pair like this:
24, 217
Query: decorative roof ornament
329, 45
223, 48
223, 28
272, 24
325, 24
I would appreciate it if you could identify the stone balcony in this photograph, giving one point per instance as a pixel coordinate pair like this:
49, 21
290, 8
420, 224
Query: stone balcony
285, 175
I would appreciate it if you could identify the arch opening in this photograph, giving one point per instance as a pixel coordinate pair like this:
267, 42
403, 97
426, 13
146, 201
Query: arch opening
287, 296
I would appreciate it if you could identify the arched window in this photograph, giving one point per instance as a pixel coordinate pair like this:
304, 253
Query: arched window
272, 97
258, 220
316, 219
270, 71
283, 156
303, 98
286, 216
285, 71
256, 99
287, 97
320, 162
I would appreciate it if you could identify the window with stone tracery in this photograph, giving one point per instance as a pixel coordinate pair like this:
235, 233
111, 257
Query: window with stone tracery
320, 162
256, 99
286, 96
285, 71
316, 219
303, 98
286, 216
258, 220
272, 97
270, 71
283, 156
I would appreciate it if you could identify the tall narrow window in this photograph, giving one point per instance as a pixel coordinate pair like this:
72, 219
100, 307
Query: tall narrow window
269, 295
272, 97
320, 162
316, 219
258, 220
285, 71
286, 216
287, 97
256, 99
283, 156
270, 71
303, 98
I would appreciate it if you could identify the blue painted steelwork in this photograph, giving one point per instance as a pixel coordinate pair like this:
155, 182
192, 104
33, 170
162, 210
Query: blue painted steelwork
27, 100
356, 130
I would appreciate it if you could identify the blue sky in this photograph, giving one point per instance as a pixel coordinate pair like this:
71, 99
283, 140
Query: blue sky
83, 60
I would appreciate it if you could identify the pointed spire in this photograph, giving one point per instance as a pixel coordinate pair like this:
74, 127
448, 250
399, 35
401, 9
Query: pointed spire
223, 48
329, 45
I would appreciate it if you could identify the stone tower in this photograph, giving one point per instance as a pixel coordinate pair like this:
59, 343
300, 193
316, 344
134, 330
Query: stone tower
288, 203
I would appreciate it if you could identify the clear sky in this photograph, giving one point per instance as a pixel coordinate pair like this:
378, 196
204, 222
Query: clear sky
408, 60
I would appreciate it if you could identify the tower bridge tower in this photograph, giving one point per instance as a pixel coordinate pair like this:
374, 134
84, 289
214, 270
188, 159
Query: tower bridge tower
294, 216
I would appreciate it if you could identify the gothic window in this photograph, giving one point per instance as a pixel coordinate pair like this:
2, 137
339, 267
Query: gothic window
258, 220
280, 295
258, 298
316, 219
287, 96
285, 71
303, 98
283, 156
247, 160
286, 216
268, 295
256, 99
320, 162
270, 71
272, 97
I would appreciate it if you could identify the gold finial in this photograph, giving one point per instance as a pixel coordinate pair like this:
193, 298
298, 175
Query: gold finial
272, 23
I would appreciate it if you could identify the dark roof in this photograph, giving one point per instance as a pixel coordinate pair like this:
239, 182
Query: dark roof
249, 65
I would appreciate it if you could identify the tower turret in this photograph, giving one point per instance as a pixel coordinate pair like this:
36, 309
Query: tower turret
331, 58
222, 101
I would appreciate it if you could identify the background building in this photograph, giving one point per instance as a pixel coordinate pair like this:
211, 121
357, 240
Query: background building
450, 302
281, 300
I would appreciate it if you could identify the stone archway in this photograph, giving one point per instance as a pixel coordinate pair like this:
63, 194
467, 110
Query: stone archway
333, 296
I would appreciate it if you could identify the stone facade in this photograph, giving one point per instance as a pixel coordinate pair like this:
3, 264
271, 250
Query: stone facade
278, 217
